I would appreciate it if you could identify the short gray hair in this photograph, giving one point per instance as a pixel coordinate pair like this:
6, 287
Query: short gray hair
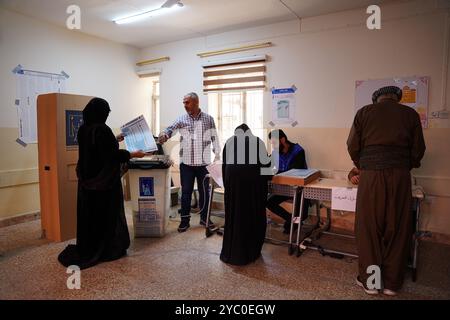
192, 95
392, 96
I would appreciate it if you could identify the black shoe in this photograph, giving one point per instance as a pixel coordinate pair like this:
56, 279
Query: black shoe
184, 225
210, 224
368, 291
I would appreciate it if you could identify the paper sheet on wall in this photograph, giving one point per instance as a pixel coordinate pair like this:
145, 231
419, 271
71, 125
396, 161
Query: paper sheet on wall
283, 106
215, 171
28, 86
138, 135
343, 199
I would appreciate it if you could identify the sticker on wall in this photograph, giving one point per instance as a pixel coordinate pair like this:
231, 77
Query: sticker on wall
146, 187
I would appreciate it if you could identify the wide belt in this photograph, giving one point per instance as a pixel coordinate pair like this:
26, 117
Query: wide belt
384, 157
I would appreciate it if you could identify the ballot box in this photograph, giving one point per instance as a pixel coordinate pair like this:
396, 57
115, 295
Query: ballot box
150, 195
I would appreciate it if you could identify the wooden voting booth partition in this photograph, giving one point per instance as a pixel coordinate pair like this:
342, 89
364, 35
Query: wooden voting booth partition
58, 119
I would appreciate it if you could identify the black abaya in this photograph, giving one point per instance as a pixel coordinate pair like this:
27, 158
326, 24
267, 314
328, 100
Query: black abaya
102, 232
245, 199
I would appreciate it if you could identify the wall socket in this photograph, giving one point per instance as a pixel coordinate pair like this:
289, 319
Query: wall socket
443, 114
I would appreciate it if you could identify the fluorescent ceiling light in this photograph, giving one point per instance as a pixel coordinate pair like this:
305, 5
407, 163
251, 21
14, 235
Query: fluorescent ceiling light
152, 13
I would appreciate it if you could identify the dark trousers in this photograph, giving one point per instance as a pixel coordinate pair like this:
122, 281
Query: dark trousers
188, 174
273, 204
383, 224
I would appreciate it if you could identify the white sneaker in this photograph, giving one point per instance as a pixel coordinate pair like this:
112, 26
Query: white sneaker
389, 292
368, 291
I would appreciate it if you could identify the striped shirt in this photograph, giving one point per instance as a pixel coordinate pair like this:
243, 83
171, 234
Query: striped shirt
197, 135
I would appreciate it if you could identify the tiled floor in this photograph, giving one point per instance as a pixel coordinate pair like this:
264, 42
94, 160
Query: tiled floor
187, 266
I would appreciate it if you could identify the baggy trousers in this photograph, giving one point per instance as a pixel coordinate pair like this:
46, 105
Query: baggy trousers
383, 224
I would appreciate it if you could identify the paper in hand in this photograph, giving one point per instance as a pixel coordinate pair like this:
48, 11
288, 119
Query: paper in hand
138, 136
215, 171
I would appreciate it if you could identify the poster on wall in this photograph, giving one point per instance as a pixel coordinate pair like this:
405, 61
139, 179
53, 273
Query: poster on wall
283, 106
415, 93
30, 84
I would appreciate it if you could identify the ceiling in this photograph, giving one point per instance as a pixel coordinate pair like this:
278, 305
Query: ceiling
196, 18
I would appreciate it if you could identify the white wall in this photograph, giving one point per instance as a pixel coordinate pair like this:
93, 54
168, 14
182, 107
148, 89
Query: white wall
96, 67
323, 59
324, 56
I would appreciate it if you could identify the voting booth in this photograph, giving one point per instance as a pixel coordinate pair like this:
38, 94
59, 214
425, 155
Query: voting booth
150, 195
59, 117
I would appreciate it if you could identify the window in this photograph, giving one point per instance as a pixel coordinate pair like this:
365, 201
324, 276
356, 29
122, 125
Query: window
230, 109
235, 94
155, 125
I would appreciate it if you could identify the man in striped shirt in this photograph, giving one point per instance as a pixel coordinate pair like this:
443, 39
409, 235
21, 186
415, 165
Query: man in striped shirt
198, 132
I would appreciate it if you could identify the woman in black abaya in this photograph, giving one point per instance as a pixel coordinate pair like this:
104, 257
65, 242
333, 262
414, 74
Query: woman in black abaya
102, 232
244, 155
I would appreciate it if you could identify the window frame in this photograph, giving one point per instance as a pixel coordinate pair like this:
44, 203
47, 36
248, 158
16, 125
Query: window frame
244, 107
156, 105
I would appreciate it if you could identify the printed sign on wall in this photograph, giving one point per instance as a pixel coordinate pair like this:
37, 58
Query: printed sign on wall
283, 106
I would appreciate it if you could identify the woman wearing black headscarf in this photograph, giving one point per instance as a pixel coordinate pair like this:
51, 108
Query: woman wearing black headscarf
244, 160
102, 232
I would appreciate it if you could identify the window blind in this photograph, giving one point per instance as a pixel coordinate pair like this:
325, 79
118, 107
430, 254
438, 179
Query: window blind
234, 76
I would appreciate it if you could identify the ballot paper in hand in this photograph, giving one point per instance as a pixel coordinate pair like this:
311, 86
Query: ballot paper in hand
215, 171
138, 136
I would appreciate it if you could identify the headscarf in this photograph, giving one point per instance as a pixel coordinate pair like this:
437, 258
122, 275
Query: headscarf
243, 128
95, 172
96, 112
387, 90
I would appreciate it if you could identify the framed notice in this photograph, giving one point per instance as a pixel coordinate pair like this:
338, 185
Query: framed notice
415, 93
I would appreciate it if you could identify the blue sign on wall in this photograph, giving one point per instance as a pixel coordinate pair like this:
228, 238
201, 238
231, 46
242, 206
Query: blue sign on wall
146, 187
74, 119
